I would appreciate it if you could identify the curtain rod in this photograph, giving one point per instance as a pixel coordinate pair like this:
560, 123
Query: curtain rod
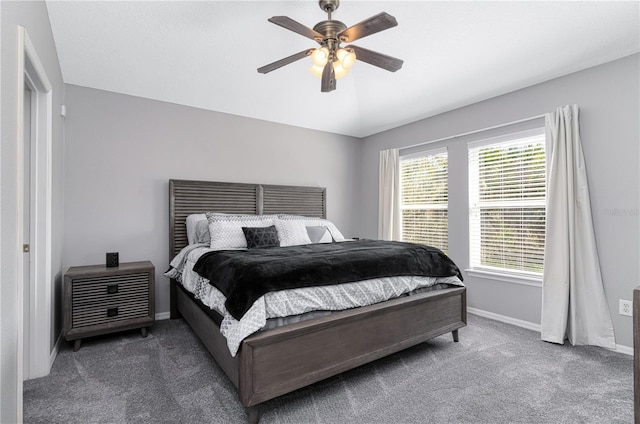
474, 132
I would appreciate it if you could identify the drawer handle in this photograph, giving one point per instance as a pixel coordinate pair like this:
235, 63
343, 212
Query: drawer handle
112, 288
112, 312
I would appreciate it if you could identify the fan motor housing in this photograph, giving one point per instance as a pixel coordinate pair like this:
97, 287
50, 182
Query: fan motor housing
330, 29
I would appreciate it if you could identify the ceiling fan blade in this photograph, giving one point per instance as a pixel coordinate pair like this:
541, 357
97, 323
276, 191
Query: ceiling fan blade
295, 26
376, 59
374, 24
328, 78
287, 60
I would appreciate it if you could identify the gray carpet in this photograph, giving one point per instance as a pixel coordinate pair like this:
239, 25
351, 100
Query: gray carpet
497, 373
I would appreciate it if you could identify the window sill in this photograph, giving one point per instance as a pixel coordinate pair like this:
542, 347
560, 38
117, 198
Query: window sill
525, 280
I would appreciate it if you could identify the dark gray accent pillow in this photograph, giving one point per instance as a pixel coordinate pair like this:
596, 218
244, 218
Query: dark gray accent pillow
261, 237
317, 232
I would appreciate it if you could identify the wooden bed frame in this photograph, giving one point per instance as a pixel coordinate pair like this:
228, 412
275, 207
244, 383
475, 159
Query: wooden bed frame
278, 361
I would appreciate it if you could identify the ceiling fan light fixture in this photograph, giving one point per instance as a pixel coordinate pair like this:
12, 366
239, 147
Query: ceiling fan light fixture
339, 70
347, 57
320, 56
316, 70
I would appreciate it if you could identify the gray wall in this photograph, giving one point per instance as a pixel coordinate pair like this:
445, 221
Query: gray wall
608, 97
122, 150
33, 16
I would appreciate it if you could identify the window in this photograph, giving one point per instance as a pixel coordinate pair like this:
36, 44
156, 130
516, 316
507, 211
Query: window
507, 192
424, 198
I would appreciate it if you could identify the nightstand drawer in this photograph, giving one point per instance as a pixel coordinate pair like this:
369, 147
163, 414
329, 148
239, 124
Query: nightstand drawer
96, 291
108, 312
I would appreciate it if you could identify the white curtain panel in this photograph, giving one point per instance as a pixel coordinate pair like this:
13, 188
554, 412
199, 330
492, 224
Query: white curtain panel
574, 305
389, 195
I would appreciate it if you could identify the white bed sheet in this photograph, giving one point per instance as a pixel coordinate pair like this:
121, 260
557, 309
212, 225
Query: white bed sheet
290, 302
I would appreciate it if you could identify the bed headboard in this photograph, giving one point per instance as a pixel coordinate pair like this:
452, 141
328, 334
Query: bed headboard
188, 197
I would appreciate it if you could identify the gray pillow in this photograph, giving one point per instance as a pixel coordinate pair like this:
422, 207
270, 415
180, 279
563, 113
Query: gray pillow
202, 232
319, 234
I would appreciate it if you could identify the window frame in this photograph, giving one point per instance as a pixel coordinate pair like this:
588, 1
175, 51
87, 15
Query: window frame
476, 269
431, 206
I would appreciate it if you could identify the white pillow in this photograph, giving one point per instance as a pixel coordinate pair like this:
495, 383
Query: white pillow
292, 233
194, 232
192, 221
226, 230
311, 221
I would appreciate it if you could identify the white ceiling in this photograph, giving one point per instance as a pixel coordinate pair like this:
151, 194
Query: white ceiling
205, 54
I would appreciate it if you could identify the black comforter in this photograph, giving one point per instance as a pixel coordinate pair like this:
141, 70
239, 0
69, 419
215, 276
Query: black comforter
245, 276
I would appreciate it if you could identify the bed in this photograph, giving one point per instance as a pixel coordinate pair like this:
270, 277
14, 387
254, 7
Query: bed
277, 361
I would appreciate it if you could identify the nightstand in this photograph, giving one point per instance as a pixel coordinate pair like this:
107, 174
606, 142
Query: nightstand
100, 300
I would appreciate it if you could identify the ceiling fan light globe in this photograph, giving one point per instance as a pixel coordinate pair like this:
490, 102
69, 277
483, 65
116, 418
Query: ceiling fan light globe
349, 59
346, 57
340, 71
316, 70
320, 56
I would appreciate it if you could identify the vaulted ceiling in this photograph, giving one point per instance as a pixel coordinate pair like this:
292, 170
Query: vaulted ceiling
205, 54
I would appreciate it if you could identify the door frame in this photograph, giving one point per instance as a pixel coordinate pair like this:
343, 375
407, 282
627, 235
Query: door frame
32, 72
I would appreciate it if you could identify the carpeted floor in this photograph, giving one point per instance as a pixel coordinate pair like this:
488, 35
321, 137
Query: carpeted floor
497, 373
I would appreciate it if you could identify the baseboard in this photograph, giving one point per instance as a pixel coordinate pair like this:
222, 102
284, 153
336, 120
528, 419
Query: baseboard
531, 326
503, 318
624, 349
163, 315
55, 350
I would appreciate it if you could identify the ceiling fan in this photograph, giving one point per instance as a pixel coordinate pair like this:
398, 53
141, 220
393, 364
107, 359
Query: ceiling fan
330, 61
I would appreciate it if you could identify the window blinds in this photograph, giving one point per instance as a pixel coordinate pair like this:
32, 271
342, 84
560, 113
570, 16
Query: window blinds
424, 198
507, 190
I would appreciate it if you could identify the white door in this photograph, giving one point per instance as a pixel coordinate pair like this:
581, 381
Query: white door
26, 255
36, 121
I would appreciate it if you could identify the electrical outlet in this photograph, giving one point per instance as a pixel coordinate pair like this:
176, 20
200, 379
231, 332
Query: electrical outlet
626, 307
